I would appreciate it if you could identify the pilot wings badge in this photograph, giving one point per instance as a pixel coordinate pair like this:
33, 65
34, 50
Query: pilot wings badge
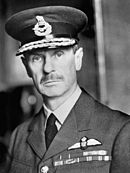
84, 143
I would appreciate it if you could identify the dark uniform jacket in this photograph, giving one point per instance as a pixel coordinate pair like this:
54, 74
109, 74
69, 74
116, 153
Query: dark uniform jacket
107, 149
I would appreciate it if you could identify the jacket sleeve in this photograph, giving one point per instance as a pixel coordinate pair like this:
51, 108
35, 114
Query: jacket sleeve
10, 150
121, 151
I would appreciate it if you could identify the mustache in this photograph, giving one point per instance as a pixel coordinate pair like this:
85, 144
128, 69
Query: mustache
51, 77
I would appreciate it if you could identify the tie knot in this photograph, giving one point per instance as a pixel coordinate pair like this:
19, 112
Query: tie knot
51, 119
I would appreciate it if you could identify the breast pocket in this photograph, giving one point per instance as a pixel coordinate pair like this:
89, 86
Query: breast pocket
83, 167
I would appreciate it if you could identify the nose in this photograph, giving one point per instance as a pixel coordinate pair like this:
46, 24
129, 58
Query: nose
47, 66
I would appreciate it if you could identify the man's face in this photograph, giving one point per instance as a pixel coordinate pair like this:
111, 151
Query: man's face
54, 70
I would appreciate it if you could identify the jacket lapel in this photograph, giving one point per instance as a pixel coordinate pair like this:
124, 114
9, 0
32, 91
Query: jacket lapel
73, 127
36, 138
64, 138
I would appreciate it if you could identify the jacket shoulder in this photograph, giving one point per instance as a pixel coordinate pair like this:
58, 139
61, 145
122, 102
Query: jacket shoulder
102, 115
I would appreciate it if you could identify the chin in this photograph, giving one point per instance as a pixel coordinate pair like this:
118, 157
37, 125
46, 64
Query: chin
52, 91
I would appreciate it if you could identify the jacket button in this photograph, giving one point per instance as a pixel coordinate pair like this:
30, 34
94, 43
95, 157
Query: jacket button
44, 169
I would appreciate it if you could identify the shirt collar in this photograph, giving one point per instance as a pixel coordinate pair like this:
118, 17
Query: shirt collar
63, 110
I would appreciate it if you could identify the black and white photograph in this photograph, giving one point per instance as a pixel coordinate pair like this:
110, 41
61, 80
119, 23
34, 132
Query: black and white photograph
64, 86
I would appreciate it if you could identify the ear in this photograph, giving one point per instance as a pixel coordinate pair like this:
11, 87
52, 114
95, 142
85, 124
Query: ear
24, 60
78, 58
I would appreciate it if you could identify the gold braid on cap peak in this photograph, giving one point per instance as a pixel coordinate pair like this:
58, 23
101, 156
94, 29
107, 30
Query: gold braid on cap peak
46, 43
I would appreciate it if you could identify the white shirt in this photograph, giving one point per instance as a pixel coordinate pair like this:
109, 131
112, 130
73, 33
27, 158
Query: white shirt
63, 110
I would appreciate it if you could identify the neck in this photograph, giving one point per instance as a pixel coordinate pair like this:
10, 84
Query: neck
54, 102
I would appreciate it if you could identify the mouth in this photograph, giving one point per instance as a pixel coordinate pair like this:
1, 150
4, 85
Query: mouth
50, 82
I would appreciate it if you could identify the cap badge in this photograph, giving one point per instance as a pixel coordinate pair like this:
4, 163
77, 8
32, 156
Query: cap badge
42, 28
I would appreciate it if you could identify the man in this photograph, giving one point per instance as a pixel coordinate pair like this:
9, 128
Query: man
72, 132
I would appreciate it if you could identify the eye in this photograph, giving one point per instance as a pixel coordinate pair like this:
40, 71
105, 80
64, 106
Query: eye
58, 54
36, 58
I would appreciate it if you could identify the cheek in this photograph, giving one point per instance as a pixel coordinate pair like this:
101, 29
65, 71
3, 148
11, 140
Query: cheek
71, 67
69, 70
36, 73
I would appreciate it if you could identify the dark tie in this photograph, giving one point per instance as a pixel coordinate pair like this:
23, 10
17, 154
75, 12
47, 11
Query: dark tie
51, 129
